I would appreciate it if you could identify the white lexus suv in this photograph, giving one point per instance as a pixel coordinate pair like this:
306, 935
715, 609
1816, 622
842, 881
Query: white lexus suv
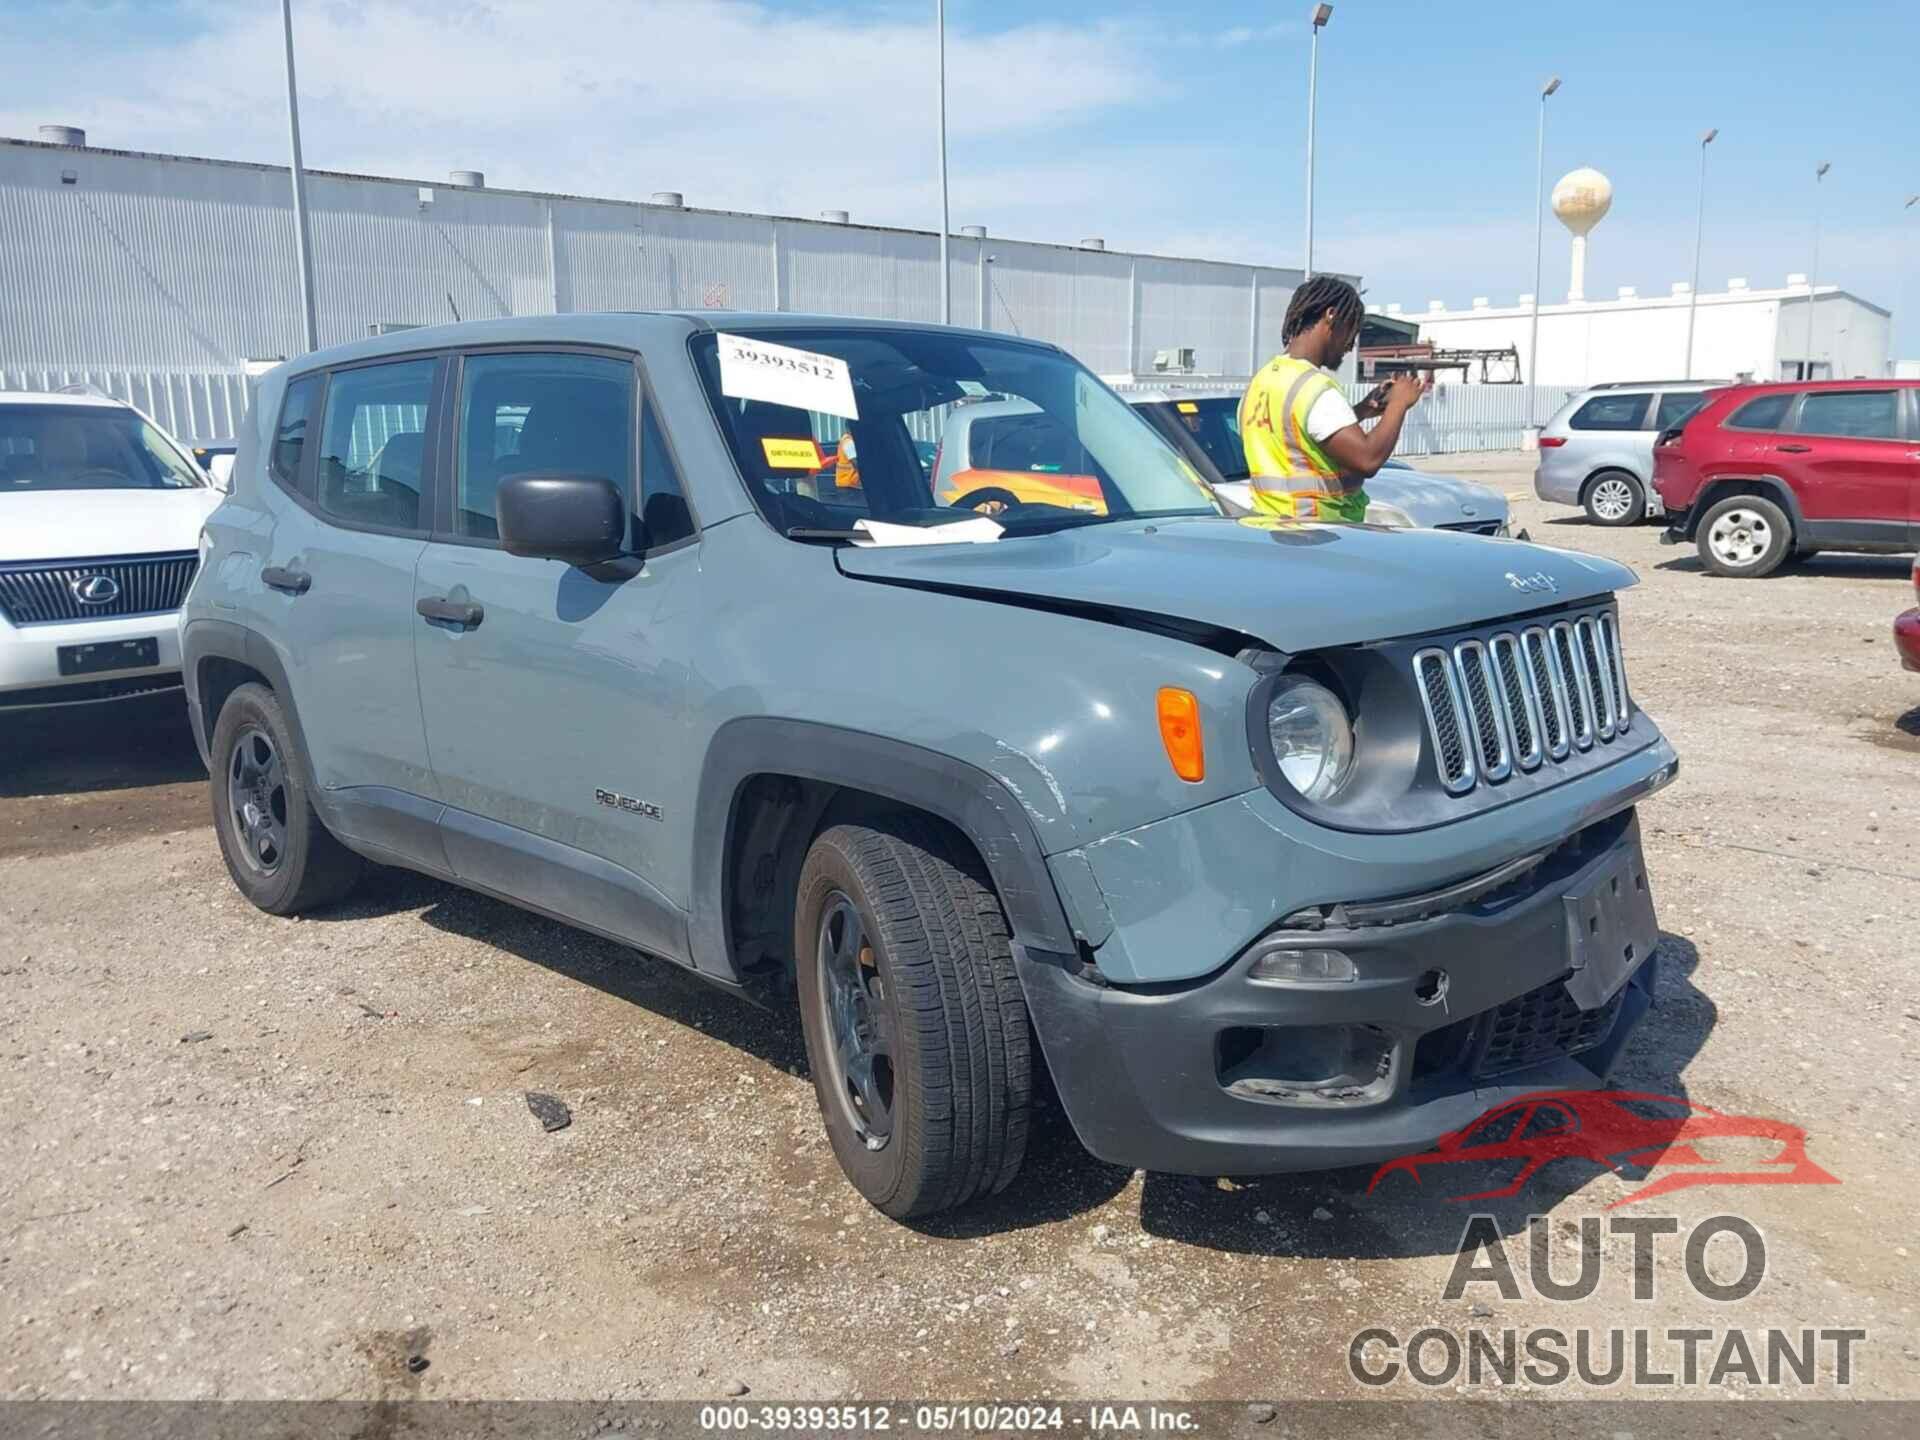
100, 515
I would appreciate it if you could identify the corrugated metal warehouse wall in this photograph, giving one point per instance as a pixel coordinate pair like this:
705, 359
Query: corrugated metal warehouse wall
161, 275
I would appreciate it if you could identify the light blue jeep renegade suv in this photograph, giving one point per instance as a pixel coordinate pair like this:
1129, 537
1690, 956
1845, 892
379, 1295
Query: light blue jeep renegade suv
1289, 846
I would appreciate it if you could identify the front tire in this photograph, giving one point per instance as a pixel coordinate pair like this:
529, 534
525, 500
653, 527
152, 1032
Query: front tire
1615, 499
280, 855
1744, 537
916, 1028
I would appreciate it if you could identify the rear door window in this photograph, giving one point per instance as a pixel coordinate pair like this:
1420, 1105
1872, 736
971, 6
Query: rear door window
1626, 411
1856, 414
373, 445
1765, 413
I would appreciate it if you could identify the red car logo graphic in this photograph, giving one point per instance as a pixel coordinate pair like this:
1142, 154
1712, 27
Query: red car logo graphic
1618, 1128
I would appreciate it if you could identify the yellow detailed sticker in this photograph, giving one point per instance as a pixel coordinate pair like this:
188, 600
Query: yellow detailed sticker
792, 454
1187, 407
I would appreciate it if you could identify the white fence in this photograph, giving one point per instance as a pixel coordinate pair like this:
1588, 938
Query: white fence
195, 406
1453, 418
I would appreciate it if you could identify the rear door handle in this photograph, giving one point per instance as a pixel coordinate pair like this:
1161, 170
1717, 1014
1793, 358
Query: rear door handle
281, 577
1793, 449
454, 612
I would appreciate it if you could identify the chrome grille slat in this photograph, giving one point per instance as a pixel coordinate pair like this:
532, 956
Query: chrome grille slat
1551, 689
1495, 750
1610, 637
1523, 706
1599, 676
1518, 700
40, 592
1446, 719
1574, 676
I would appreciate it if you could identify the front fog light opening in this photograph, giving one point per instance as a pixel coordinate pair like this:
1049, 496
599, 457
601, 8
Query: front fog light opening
1320, 1064
1302, 967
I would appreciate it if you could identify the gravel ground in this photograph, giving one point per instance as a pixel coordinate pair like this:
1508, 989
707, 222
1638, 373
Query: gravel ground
250, 1157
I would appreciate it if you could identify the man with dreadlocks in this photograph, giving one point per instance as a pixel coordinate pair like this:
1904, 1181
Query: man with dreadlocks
1306, 453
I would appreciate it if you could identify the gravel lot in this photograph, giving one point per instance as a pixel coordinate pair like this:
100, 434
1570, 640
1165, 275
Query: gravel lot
344, 1173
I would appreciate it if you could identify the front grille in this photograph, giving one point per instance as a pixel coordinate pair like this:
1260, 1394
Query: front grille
1518, 699
1473, 527
1543, 1024
36, 592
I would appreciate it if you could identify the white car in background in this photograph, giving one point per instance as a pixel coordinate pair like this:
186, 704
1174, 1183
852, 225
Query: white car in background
100, 515
1205, 424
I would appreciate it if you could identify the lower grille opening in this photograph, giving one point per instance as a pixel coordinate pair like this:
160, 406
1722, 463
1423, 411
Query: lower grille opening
1543, 1024
1328, 1064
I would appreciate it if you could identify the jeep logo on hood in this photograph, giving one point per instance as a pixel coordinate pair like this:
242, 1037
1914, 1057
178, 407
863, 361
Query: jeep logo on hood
1538, 583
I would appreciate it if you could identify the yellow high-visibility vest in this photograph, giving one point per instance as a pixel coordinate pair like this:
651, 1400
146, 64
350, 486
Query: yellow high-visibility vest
1288, 468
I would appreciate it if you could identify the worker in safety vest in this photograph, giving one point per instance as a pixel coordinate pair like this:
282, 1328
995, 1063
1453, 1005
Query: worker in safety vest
1307, 456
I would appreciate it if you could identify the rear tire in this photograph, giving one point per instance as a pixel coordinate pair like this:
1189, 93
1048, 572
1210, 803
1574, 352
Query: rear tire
1744, 537
915, 1024
281, 857
1615, 499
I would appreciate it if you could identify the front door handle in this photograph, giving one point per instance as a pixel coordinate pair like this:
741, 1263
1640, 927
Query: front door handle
284, 578
1793, 449
454, 612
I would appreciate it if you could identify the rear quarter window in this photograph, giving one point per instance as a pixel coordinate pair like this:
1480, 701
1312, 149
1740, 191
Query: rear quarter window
1765, 412
1612, 412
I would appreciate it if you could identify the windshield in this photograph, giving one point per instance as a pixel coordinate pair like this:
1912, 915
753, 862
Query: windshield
85, 447
1211, 426
925, 428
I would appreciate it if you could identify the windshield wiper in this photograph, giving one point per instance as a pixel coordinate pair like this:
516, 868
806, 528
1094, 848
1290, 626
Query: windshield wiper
804, 532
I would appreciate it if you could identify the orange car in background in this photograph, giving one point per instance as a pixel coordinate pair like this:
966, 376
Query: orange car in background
1009, 452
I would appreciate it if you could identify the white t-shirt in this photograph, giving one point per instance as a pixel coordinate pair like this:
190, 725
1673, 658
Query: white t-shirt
1330, 414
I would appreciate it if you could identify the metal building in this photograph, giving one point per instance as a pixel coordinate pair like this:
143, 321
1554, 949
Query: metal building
158, 277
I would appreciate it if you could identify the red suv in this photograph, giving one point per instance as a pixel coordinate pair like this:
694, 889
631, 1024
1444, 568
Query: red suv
1762, 472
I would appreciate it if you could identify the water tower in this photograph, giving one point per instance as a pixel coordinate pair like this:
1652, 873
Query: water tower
1581, 200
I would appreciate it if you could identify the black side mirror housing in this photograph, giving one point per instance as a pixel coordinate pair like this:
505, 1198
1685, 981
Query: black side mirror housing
579, 519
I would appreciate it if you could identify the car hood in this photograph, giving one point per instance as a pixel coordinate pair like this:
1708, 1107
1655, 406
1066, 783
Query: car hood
1295, 587
93, 524
1430, 499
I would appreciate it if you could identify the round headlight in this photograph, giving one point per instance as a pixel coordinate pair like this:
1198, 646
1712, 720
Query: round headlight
1311, 736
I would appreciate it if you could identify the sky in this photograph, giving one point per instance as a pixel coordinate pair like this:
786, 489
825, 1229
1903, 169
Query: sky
1166, 127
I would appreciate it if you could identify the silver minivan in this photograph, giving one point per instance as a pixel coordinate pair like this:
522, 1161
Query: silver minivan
1597, 450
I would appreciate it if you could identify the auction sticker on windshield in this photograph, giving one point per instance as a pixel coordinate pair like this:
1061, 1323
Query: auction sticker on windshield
780, 375
793, 454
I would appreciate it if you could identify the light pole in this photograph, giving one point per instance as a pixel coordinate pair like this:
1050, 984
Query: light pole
303, 243
1900, 268
946, 218
1539, 239
1813, 272
1699, 226
1321, 14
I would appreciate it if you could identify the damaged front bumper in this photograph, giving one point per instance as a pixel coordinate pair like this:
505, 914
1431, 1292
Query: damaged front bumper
1457, 1001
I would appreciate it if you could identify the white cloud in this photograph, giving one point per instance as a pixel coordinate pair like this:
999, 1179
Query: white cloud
736, 104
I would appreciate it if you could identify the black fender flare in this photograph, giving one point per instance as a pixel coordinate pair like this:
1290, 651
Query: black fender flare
975, 802
1770, 487
204, 640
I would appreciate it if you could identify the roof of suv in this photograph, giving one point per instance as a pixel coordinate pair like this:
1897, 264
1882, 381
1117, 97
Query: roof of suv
1794, 386
76, 398
608, 327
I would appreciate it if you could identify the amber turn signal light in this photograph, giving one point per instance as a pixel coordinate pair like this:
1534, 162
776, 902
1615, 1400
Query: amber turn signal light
1180, 733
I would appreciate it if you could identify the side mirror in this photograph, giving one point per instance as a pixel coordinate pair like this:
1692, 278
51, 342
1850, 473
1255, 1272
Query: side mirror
220, 473
580, 519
